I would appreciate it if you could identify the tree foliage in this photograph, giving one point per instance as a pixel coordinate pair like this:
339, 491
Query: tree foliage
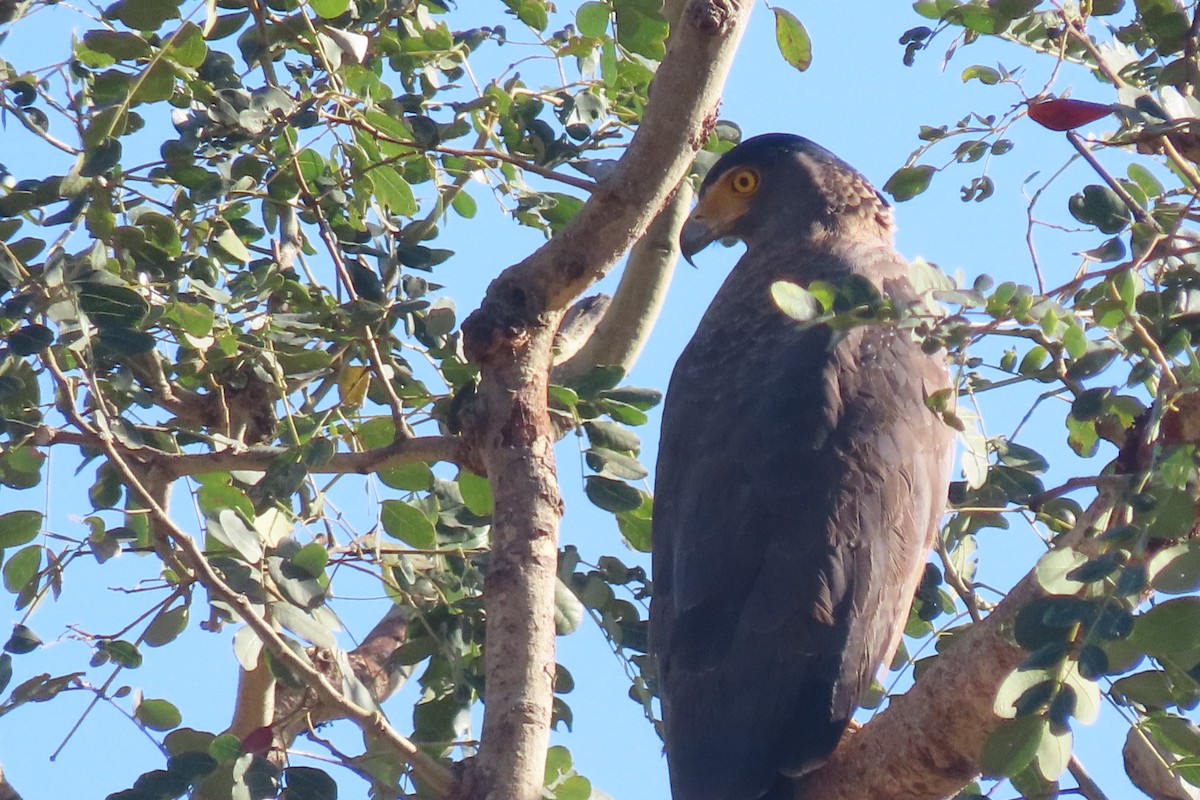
245, 307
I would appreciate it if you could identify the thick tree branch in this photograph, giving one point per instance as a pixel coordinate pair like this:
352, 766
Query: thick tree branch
623, 330
509, 429
926, 744
683, 101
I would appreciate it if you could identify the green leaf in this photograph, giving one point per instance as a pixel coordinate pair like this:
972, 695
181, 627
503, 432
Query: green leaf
568, 611
126, 341
1170, 629
592, 19
1012, 746
226, 25
1176, 570
308, 783
575, 787
985, 75
121, 652
117, 45
1054, 753
794, 43
597, 379
615, 464
212, 497
233, 246
981, 19
642, 29
1173, 515
908, 182
30, 339
636, 526
639, 397
19, 527
624, 412
166, 627
143, 15
112, 306
225, 748
476, 493
23, 640
303, 625
416, 477
1150, 688
408, 524
613, 436
190, 765
1138, 173
196, 319
611, 495
795, 301
532, 12
158, 715
312, 559
187, 47
1099, 205
1014, 687
1075, 341
1053, 568
22, 567
228, 529
464, 205
329, 8
392, 191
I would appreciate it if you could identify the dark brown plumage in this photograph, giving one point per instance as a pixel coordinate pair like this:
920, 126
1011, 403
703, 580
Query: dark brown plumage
800, 479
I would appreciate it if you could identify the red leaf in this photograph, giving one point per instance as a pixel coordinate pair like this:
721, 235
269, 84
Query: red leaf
258, 740
1065, 114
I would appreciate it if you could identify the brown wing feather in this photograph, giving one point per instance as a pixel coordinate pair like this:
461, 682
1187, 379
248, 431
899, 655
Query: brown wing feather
796, 492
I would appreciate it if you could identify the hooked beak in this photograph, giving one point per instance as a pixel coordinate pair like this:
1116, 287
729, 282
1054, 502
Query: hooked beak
695, 236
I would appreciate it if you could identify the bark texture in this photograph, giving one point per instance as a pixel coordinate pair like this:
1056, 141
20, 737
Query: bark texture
927, 744
509, 431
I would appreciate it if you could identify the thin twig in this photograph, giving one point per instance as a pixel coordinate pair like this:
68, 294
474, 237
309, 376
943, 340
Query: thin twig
1134, 207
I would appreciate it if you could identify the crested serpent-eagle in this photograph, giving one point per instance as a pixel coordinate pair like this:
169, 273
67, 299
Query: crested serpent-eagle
800, 479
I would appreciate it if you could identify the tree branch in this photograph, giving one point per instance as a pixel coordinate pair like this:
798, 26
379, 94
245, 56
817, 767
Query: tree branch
427, 449
626, 325
7, 792
299, 710
926, 744
510, 337
370, 721
683, 101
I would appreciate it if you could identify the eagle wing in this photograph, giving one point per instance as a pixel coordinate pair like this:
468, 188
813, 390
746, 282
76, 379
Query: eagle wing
799, 480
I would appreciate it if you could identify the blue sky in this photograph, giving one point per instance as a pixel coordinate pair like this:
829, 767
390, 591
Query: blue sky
857, 99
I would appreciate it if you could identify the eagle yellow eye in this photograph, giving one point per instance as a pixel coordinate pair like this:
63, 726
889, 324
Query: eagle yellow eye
744, 181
